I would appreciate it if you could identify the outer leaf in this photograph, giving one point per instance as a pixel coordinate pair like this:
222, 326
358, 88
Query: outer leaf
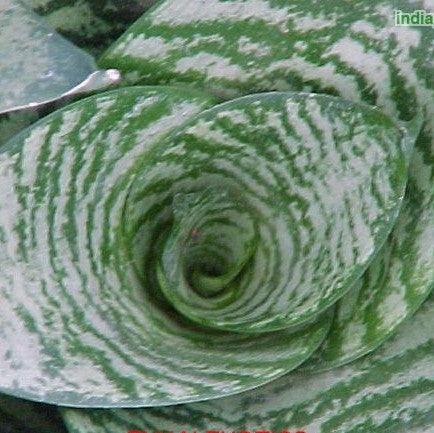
38, 67
95, 218
90, 331
391, 390
352, 49
91, 24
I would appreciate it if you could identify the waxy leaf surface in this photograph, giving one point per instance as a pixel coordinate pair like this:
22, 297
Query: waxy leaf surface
38, 67
390, 390
115, 291
351, 49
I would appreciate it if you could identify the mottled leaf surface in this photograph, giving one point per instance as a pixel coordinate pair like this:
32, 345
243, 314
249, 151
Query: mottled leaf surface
90, 199
130, 254
125, 246
391, 390
311, 184
352, 49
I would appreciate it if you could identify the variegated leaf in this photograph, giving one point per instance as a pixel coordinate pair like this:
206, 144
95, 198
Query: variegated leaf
389, 391
256, 216
352, 49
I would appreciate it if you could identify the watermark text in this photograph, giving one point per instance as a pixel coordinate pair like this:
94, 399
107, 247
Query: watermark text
415, 18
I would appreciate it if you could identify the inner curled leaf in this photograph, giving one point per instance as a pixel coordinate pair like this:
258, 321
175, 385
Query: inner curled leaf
133, 222
209, 246
283, 197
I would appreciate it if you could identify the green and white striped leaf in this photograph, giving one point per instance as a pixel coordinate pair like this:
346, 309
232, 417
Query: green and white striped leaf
38, 67
391, 390
292, 194
91, 24
113, 232
352, 49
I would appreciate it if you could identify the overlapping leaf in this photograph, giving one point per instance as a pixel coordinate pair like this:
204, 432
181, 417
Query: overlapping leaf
234, 221
38, 67
352, 49
391, 390
113, 239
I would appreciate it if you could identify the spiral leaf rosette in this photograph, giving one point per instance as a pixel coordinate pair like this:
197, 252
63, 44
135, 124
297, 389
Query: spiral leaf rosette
157, 253
246, 258
352, 50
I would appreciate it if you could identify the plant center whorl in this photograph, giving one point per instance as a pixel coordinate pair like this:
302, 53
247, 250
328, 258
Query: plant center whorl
247, 217
212, 239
